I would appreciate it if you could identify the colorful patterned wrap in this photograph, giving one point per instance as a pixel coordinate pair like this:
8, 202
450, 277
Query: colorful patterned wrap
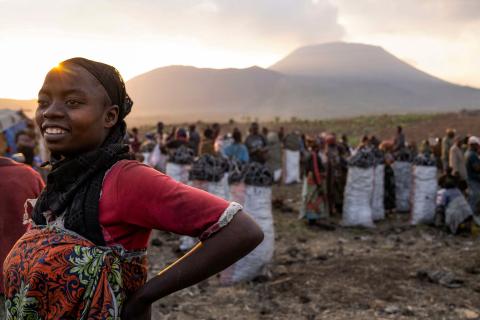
314, 203
52, 273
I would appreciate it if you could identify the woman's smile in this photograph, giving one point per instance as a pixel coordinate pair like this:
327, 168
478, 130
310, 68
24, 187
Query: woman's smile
54, 133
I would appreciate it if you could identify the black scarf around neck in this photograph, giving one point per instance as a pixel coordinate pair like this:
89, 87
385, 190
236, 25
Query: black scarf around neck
74, 188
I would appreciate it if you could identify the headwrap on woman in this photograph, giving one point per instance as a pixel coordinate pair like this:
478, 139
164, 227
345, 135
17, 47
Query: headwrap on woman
74, 184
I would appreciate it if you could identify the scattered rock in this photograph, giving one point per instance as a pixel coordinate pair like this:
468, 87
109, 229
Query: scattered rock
322, 257
443, 278
467, 314
304, 299
427, 237
363, 306
265, 311
473, 270
280, 205
408, 312
392, 309
260, 279
326, 226
330, 253
293, 252
281, 270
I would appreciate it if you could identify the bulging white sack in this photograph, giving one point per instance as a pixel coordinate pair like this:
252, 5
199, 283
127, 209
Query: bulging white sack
157, 160
357, 205
146, 157
220, 189
457, 211
237, 193
178, 172
258, 203
292, 166
378, 208
424, 193
403, 185
187, 243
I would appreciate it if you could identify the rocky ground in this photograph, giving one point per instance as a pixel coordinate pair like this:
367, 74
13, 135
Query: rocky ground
395, 271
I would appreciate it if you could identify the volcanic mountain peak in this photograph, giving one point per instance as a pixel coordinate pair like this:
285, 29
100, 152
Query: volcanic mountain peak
339, 60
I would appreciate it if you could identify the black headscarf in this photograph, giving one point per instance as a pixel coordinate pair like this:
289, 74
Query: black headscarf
74, 184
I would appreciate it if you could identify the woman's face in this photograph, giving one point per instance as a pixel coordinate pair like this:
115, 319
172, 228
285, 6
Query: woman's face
74, 113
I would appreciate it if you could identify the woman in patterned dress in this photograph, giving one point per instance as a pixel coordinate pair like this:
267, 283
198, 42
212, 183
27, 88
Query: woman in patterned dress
84, 254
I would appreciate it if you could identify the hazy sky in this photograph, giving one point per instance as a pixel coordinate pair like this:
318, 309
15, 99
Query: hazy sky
438, 36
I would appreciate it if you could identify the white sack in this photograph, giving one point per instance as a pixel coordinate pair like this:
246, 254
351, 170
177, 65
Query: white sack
237, 193
178, 172
220, 189
146, 157
403, 185
158, 160
378, 208
424, 194
187, 243
457, 211
357, 209
292, 166
258, 203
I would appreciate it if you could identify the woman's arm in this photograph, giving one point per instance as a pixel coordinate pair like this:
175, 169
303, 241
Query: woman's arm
216, 253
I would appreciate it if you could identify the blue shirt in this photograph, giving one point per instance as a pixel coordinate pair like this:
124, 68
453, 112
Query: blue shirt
237, 151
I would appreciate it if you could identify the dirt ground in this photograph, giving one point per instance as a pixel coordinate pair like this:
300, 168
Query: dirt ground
395, 271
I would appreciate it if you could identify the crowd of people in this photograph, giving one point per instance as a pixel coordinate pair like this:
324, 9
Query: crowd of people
321, 162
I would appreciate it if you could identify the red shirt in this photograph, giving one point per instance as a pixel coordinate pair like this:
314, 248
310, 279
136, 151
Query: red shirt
136, 199
18, 182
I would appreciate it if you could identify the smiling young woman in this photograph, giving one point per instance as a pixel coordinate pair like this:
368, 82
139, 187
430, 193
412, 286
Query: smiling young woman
84, 254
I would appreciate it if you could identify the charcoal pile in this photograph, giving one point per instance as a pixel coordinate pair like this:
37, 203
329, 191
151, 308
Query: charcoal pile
257, 174
404, 155
379, 156
209, 168
236, 171
424, 159
183, 155
364, 158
